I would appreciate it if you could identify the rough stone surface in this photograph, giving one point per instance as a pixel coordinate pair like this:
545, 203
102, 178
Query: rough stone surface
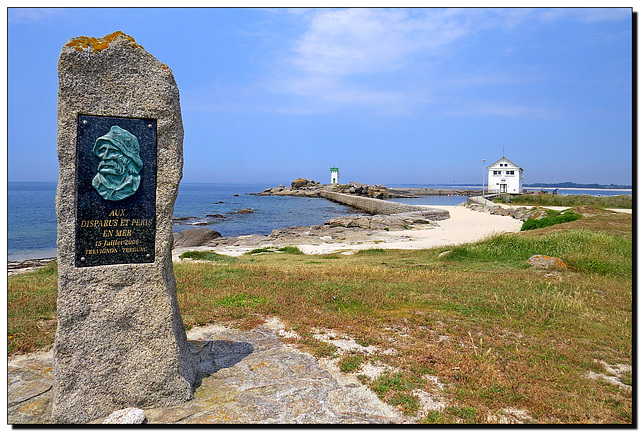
394, 222
311, 188
520, 213
347, 229
29, 379
250, 377
120, 340
194, 237
298, 183
126, 416
546, 262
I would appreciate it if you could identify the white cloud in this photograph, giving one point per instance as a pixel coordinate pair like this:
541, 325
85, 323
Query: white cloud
364, 41
389, 59
355, 56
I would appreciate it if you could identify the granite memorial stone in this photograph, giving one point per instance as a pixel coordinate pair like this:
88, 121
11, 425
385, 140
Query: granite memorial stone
120, 340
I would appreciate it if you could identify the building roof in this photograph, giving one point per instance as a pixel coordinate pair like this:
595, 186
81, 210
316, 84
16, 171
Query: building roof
503, 160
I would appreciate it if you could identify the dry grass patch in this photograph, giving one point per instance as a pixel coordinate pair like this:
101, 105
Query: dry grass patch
476, 336
31, 310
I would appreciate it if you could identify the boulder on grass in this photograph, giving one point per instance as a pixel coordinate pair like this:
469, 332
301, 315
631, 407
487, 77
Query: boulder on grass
547, 262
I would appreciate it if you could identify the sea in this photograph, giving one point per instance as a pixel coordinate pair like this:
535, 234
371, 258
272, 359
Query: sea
31, 217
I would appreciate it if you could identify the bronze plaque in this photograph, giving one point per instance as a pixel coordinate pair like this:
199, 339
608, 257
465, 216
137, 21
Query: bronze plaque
116, 190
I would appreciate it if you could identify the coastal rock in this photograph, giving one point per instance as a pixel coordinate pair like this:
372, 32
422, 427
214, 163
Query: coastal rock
520, 213
546, 262
126, 416
194, 237
393, 222
245, 211
311, 188
378, 192
16, 267
298, 183
537, 214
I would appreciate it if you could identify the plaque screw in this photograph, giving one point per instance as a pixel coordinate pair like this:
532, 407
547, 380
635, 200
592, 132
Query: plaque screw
83, 259
150, 126
148, 255
84, 122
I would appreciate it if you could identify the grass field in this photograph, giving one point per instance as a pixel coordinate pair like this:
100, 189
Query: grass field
477, 328
614, 201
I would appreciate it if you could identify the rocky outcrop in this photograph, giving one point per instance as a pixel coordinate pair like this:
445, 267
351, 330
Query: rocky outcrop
520, 213
248, 377
394, 222
16, 267
304, 191
372, 191
353, 228
302, 182
311, 188
194, 237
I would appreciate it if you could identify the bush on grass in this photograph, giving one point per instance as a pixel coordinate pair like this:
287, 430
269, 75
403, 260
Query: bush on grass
549, 220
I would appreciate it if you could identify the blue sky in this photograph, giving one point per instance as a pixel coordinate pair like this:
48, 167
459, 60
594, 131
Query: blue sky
389, 96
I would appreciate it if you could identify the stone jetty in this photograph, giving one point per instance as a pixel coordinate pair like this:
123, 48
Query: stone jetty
368, 198
380, 207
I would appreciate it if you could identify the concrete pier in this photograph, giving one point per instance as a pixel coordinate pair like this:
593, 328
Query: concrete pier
376, 206
420, 192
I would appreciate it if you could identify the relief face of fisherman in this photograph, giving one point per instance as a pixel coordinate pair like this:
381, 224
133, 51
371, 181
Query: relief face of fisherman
118, 174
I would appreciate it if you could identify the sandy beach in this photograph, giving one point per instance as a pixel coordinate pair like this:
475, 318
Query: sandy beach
463, 226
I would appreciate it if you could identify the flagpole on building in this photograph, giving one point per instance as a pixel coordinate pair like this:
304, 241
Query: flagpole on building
483, 175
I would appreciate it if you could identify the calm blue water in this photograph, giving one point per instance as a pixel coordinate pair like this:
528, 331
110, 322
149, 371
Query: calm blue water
201, 201
32, 219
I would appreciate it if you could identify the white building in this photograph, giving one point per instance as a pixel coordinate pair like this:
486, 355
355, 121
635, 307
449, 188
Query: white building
334, 175
504, 177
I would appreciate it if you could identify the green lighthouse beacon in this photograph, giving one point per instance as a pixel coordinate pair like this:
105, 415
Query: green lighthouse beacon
334, 175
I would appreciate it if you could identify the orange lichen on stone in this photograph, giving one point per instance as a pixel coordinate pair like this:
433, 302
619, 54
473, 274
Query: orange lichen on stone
547, 262
98, 44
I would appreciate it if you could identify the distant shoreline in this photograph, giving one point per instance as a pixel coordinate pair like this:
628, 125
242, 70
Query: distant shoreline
575, 188
524, 187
